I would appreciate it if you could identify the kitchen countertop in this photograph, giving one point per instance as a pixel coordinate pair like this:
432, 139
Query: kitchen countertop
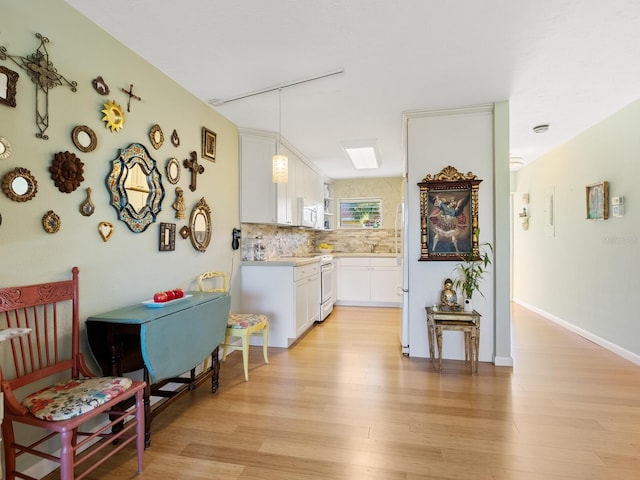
312, 258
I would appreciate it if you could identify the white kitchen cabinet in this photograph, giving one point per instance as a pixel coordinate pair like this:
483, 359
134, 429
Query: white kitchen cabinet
287, 194
288, 295
307, 279
329, 207
369, 281
258, 200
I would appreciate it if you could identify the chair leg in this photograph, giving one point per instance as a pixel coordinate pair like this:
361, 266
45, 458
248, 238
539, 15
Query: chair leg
140, 428
265, 342
224, 347
9, 452
66, 455
245, 356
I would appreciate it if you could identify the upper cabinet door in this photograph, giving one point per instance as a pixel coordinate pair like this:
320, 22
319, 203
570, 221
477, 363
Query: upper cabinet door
258, 198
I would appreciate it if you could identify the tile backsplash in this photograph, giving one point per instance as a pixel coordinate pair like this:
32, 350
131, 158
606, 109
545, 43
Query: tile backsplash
287, 241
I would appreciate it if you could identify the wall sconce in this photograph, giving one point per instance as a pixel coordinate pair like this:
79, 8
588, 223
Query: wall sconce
524, 214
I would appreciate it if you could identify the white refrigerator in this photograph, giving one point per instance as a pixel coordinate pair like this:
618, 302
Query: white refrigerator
401, 249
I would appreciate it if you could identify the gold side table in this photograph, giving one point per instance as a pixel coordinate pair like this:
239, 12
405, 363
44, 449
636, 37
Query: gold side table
443, 318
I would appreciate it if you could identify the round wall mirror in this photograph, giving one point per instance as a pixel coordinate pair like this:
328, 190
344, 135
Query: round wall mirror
200, 225
135, 187
173, 170
84, 138
19, 185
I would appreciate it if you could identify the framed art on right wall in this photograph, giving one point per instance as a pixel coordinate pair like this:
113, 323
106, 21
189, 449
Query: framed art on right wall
597, 201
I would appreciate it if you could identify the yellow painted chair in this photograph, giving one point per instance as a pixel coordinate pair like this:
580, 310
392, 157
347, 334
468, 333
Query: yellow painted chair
240, 325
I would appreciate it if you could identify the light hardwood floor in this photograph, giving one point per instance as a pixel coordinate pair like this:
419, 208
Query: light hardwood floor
345, 404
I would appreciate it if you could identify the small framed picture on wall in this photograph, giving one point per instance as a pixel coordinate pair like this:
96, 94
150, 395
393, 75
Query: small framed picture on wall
208, 144
598, 201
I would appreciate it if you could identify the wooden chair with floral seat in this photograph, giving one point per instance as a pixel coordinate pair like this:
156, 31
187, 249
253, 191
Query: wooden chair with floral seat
48, 316
240, 325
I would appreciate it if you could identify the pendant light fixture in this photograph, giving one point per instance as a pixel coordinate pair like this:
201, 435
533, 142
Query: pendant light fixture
280, 169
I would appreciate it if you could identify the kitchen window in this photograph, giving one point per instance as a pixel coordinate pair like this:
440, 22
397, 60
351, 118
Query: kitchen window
360, 212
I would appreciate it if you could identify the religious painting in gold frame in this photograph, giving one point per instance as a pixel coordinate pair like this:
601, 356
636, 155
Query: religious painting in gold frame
448, 215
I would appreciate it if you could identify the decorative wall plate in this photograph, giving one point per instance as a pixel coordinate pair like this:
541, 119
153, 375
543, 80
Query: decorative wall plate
185, 232
51, 222
84, 138
156, 136
5, 148
67, 171
105, 229
19, 185
87, 207
113, 116
175, 139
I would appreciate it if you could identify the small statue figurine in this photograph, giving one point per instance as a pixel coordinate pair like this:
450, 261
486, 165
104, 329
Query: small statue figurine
178, 205
448, 297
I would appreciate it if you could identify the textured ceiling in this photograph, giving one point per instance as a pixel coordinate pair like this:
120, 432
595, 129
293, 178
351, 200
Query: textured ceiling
568, 63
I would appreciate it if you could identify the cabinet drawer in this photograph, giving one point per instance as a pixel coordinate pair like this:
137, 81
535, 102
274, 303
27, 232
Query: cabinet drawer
354, 261
384, 262
305, 271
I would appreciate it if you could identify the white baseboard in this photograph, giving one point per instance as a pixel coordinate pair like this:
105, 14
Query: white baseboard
503, 361
612, 347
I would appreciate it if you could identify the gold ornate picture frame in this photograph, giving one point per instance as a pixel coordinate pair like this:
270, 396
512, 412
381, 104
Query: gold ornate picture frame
208, 144
448, 215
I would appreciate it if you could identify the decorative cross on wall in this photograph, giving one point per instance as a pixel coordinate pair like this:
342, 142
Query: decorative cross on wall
131, 95
42, 72
195, 168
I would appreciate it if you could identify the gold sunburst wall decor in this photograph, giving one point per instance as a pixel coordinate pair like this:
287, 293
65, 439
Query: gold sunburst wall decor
113, 116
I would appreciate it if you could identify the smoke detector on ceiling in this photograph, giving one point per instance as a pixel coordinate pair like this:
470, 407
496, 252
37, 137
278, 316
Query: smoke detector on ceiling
541, 128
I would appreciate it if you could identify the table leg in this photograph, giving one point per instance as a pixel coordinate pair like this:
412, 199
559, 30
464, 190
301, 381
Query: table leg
147, 409
439, 338
430, 334
215, 370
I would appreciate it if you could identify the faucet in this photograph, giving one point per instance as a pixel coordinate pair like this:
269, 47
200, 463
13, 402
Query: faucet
373, 247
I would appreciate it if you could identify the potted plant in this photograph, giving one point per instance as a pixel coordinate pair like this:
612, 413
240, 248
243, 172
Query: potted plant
471, 271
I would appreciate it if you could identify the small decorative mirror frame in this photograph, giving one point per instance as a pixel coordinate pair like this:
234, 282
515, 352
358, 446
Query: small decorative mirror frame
5, 148
173, 170
135, 157
167, 237
19, 185
9, 80
51, 222
448, 215
200, 225
156, 136
84, 138
113, 116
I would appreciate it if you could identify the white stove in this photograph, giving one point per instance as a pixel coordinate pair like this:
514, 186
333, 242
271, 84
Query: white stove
327, 285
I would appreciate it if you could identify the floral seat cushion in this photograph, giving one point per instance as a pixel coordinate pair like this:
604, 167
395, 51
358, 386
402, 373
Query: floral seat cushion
75, 397
245, 320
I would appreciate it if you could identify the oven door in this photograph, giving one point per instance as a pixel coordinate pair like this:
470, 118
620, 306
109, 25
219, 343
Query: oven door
327, 280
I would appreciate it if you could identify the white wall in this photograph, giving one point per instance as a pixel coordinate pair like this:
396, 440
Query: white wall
585, 275
463, 138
